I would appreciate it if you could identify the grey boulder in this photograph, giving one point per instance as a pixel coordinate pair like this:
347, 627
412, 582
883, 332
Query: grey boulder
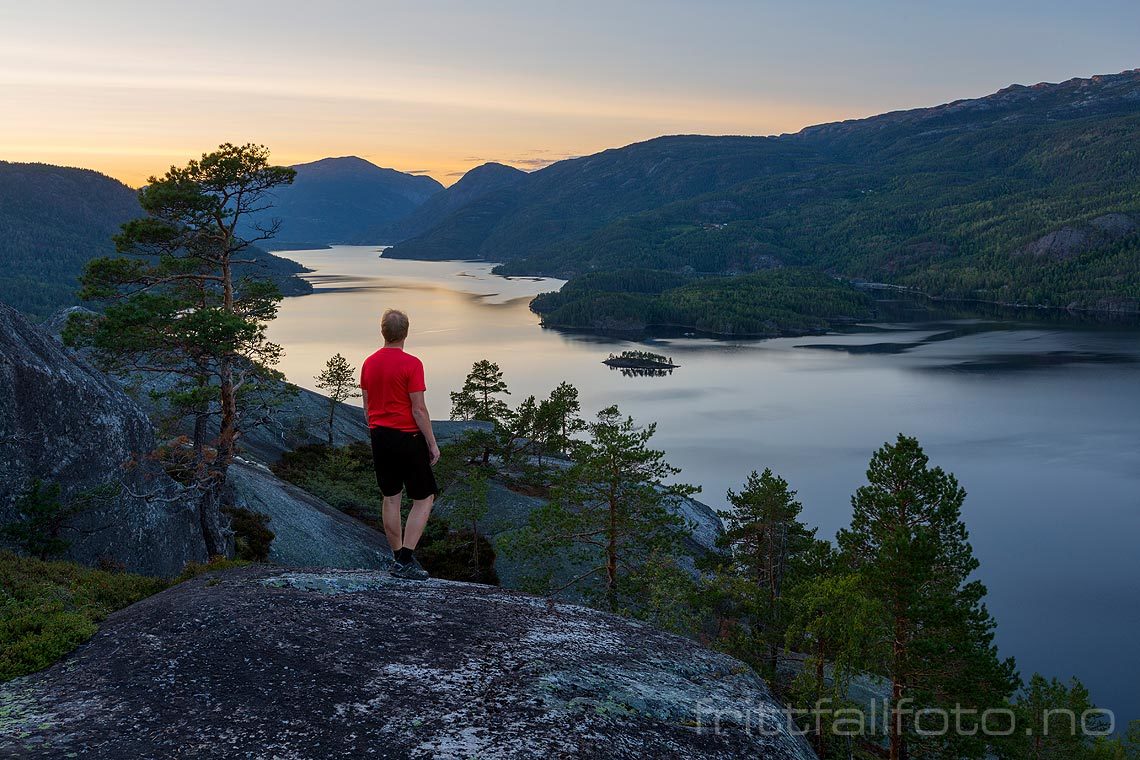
268, 663
64, 422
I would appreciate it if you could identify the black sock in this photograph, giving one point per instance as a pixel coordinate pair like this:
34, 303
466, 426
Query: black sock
404, 555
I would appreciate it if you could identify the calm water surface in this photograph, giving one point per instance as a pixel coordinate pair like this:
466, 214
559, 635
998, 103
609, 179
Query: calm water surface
1040, 423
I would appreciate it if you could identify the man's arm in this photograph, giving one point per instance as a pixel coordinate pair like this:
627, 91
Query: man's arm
364, 398
423, 422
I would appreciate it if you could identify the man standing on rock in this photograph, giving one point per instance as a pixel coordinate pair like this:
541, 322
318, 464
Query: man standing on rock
403, 444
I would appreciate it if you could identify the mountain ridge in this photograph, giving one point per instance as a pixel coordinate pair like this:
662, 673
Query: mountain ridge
940, 200
472, 186
339, 199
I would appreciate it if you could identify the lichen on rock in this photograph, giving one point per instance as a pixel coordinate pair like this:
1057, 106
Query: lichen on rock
267, 663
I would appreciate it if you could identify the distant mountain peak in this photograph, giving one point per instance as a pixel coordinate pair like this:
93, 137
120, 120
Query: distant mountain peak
339, 199
472, 186
489, 169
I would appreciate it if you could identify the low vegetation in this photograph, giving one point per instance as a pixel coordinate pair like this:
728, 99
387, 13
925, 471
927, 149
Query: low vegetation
344, 478
49, 608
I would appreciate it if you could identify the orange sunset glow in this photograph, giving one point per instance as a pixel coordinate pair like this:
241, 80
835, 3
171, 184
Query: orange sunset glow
416, 88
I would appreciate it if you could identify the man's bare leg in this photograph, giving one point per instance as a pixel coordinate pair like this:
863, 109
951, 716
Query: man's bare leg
417, 519
391, 515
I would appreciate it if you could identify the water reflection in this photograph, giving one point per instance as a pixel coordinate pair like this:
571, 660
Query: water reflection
1037, 419
642, 372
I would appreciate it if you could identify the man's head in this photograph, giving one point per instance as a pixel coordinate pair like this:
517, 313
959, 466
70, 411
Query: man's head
394, 326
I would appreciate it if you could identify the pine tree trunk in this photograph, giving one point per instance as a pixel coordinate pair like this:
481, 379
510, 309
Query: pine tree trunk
201, 420
611, 558
227, 437
332, 416
219, 470
210, 508
209, 520
819, 679
898, 745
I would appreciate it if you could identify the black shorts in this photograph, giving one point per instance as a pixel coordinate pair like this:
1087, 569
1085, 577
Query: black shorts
402, 462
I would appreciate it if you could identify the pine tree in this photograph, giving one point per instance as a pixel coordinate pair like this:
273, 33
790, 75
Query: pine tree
1125, 747
840, 629
43, 514
1055, 721
468, 505
176, 307
338, 380
765, 540
608, 516
479, 397
516, 430
559, 416
908, 543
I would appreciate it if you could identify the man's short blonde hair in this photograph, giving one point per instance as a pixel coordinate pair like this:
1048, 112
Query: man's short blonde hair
394, 326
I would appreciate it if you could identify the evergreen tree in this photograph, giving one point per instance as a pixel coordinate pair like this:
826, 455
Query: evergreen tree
765, 541
338, 380
516, 430
608, 516
908, 543
840, 630
176, 307
43, 515
559, 417
469, 506
1055, 721
1125, 747
479, 398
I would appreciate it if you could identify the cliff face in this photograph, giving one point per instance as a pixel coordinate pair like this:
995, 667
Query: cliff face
62, 421
265, 663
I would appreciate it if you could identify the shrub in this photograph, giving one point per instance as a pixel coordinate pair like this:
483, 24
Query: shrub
49, 608
252, 536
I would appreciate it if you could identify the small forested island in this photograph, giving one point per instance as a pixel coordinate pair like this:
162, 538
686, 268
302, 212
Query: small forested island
640, 360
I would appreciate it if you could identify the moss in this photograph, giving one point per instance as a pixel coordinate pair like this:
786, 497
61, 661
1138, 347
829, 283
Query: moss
216, 564
49, 608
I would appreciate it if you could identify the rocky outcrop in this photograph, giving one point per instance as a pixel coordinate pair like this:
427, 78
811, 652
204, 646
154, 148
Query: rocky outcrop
62, 421
307, 531
262, 663
1071, 241
302, 420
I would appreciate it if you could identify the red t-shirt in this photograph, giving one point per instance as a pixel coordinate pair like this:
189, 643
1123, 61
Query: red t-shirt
388, 376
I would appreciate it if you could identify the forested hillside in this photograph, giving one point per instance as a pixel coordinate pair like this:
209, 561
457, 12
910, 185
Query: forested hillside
54, 219
472, 186
1028, 196
787, 301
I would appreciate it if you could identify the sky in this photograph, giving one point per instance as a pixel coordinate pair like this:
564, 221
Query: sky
435, 87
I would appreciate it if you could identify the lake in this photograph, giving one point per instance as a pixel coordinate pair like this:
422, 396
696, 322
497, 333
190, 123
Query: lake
1040, 422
